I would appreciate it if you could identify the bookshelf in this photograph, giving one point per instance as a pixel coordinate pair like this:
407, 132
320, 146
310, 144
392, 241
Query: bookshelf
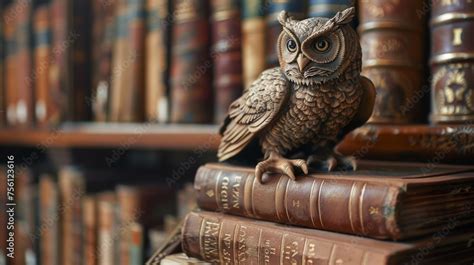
135, 135
449, 143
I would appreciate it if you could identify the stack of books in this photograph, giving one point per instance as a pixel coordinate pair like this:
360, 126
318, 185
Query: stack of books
383, 213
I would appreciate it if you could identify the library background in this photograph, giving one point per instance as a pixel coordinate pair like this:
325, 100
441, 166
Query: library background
110, 113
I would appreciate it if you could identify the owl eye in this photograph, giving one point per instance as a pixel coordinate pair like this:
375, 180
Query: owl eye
291, 45
322, 45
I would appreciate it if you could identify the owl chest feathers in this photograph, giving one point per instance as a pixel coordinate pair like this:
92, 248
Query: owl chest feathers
313, 113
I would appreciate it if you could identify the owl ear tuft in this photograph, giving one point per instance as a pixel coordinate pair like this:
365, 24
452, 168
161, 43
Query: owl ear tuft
344, 16
283, 18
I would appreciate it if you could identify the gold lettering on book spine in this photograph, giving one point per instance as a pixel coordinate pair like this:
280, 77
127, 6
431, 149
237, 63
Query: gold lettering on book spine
268, 251
227, 249
242, 245
224, 200
210, 241
236, 192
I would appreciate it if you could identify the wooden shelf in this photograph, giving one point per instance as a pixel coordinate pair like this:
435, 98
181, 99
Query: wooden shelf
140, 135
433, 144
450, 144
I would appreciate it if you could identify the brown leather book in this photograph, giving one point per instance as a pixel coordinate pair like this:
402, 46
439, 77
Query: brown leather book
191, 65
103, 38
392, 40
90, 229
253, 35
226, 54
24, 58
133, 104
72, 187
108, 234
157, 61
49, 220
44, 113
10, 64
224, 239
141, 204
452, 61
379, 200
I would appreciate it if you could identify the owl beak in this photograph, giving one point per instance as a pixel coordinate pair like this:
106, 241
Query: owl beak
302, 61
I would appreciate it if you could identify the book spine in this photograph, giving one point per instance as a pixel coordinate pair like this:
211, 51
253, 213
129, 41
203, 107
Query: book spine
191, 65
72, 189
231, 240
90, 224
10, 64
136, 240
25, 99
297, 9
253, 35
452, 61
364, 208
133, 98
121, 59
328, 8
105, 27
81, 59
227, 55
42, 37
392, 57
157, 61
107, 239
49, 221
59, 69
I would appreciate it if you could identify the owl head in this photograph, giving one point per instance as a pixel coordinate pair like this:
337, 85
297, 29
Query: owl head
318, 50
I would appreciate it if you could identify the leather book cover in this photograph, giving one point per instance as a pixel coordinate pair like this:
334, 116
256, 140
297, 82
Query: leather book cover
121, 57
72, 188
452, 61
44, 114
128, 73
391, 36
137, 245
327, 8
227, 55
108, 234
253, 35
10, 64
297, 9
81, 59
378, 200
90, 229
157, 61
225, 239
61, 64
49, 220
133, 105
142, 204
103, 31
24, 57
191, 65
25, 195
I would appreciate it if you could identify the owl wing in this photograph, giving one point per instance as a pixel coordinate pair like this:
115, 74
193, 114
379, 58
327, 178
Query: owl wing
252, 112
365, 108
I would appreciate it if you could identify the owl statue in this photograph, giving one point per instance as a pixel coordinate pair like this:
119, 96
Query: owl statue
299, 111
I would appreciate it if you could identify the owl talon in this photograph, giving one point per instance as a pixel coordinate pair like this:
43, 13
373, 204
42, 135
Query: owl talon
280, 165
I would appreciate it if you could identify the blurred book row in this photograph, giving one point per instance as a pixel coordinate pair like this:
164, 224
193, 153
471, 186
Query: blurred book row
184, 61
87, 216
